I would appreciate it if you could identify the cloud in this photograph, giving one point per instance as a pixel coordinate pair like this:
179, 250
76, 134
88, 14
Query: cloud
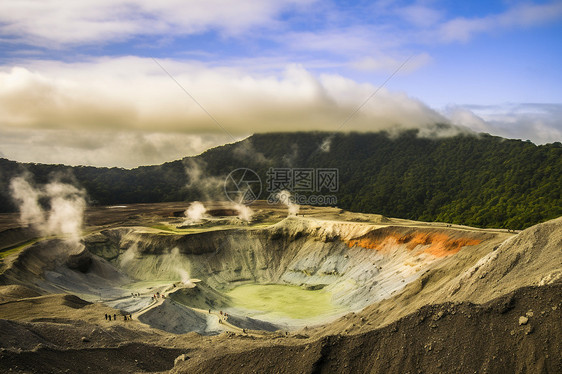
539, 123
389, 64
62, 23
127, 112
465, 117
462, 29
134, 94
102, 148
343, 40
420, 15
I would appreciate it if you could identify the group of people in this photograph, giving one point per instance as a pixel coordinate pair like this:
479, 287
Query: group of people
126, 317
155, 296
223, 315
108, 317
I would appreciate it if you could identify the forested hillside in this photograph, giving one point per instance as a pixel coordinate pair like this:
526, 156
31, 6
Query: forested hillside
476, 180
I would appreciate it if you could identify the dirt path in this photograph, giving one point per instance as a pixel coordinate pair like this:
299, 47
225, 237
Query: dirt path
223, 321
160, 298
153, 305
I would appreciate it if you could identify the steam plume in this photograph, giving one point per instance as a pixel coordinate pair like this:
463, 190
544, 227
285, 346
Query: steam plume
195, 213
129, 254
245, 151
245, 213
326, 144
175, 256
286, 198
27, 198
64, 212
208, 186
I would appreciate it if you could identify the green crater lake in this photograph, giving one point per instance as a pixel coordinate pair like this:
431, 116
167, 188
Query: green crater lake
284, 300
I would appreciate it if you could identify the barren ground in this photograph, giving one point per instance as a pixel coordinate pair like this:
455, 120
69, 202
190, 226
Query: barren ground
414, 296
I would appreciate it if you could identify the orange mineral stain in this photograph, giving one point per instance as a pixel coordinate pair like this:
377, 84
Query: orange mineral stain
436, 244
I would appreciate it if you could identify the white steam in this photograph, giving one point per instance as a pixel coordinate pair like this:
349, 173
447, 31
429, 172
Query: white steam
326, 144
175, 257
285, 198
129, 255
289, 158
195, 213
209, 187
245, 151
194, 171
27, 197
245, 213
185, 278
64, 207
212, 188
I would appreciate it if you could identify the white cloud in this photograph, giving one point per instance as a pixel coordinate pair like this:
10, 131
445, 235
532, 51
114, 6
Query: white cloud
59, 22
465, 117
539, 123
127, 111
463, 29
420, 15
134, 94
352, 40
102, 148
389, 64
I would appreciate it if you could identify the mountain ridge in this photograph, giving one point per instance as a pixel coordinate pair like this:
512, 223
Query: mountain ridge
481, 180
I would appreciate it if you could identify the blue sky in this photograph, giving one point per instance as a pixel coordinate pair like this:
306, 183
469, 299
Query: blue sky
76, 77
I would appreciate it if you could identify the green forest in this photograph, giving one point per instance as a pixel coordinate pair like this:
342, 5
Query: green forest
477, 180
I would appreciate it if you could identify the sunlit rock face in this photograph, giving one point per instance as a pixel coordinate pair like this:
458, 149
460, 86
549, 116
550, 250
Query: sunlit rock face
353, 264
329, 268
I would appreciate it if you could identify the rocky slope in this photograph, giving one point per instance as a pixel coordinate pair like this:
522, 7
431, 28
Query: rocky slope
417, 296
516, 333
